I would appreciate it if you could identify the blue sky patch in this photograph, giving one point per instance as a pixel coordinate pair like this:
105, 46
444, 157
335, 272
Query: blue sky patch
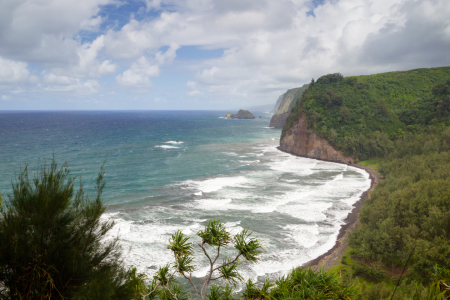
194, 52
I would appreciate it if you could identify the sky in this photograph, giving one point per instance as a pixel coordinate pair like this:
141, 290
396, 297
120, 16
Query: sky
204, 54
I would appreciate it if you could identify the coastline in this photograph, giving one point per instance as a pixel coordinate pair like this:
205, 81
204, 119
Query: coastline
330, 258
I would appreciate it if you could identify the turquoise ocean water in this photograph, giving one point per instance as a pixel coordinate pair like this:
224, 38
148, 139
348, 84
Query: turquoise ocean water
170, 170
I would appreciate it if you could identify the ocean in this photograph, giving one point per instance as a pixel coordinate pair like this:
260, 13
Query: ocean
175, 170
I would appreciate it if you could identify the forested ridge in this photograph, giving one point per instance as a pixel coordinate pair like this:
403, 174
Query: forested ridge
362, 115
399, 121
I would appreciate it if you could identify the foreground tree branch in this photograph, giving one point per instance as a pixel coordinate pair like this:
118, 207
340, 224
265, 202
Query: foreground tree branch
213, 235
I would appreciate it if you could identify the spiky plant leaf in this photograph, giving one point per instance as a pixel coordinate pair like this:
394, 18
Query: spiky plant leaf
249, 248
229, 272
184, 264
215, 234
180, 244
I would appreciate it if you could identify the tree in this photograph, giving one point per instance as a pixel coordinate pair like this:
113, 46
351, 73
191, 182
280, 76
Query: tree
214, 236
307, 283
345, 114
52, 241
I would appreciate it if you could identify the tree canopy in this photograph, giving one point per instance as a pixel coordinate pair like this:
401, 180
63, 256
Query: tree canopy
52, 241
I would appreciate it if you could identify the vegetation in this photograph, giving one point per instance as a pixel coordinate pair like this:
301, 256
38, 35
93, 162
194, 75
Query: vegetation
52, 242
409, 210
303, 284
362, 115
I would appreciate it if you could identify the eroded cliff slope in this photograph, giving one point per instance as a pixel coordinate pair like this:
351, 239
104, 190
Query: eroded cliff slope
299, 140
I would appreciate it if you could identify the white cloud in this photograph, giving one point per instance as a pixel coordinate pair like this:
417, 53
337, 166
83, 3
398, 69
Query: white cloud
64, 84
193, 86
81, 87
88, 64
152, 4
58, 80
138, 74
140, 71
91, 24
13, 71
194, 93
268, 46
168, 56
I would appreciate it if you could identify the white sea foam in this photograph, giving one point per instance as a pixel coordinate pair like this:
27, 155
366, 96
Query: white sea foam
166, 147
305, 235
317, 194
174, 142
212, 204
231, 153
218, 183
148, 242
292, 164
249, 161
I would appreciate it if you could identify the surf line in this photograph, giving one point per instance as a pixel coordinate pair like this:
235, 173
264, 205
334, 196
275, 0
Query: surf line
331, 257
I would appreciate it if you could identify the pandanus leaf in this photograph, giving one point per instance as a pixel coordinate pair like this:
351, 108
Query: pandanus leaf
249, 248
180, 244
215, 234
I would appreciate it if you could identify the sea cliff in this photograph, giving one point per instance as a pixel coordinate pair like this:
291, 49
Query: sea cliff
278, 121
284, 105
301, 141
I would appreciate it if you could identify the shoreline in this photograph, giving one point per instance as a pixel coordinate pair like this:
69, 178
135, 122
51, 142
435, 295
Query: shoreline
328, 259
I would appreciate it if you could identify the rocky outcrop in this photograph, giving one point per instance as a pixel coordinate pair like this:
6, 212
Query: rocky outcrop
244, 114
278, 121
299, 140
241, 114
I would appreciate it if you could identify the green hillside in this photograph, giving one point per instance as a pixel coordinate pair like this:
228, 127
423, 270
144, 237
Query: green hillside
362, 115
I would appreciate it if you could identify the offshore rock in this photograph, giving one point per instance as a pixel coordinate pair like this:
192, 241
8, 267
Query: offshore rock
301, 141
241, 114
278, 121
244, 114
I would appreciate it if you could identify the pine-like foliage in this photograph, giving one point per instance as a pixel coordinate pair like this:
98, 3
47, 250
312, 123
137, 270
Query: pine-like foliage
52, 241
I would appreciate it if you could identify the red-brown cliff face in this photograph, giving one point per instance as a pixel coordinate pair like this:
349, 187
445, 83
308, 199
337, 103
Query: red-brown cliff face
301, 141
